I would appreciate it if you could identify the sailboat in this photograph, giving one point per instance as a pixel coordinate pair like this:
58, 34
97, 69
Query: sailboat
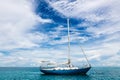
65, 68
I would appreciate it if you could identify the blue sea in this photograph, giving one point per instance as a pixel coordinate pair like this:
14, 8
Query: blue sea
33, 73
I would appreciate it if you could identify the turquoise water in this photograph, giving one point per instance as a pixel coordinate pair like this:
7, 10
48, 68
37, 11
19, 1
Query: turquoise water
33, 73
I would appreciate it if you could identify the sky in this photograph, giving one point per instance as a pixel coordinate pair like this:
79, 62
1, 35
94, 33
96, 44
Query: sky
36, 30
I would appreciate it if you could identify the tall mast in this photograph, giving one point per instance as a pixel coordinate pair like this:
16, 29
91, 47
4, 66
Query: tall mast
68, 24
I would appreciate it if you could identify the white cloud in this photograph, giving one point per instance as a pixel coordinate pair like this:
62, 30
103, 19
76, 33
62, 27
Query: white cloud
105, 29
91, 10
60, 32
30, 57
103, 52
97, 55
17, 19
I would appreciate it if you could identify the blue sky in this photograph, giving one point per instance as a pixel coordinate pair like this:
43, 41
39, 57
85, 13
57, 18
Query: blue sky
36, 30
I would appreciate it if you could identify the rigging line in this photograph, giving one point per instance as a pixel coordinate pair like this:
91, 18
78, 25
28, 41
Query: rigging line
85, 55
